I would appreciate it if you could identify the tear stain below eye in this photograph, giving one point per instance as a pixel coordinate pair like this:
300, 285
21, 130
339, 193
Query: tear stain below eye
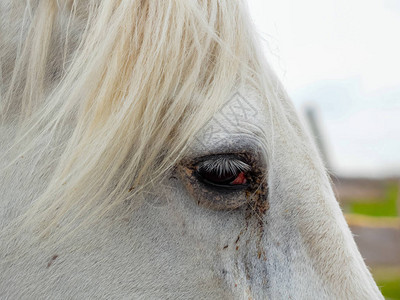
240, 179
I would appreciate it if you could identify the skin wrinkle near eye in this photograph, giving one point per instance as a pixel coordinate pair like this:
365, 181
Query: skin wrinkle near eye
237, 143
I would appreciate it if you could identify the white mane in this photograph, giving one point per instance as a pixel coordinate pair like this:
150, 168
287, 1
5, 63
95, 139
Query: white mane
91, 75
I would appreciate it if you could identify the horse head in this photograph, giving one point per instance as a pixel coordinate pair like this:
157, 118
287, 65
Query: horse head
150, 152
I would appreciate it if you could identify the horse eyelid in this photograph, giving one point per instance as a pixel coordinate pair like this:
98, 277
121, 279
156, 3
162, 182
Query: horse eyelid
223, 164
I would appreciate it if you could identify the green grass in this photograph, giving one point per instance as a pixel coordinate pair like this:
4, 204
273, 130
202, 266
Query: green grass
390, 289
386, 208
388, 279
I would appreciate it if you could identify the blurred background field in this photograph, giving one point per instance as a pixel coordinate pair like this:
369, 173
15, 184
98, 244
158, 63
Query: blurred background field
371, 208
339, 62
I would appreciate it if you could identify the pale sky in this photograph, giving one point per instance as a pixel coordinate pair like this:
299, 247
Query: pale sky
344, 57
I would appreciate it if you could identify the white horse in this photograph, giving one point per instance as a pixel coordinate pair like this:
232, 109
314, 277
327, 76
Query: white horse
148, 151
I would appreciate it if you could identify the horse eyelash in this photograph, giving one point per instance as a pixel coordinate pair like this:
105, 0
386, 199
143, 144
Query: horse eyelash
224, 165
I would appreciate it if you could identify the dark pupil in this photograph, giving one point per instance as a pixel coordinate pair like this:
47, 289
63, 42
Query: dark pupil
217, 178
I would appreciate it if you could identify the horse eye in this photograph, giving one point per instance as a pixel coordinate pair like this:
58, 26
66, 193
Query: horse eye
230, 179
222, 181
